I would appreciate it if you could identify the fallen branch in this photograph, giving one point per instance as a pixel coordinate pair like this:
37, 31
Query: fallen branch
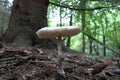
95, 69
41, 57
115, 51
116, 71
74, 76
78, 63
26, 52
47, 65
18, 50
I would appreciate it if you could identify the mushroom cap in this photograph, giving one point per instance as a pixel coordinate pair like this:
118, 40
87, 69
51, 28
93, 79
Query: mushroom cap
52, 32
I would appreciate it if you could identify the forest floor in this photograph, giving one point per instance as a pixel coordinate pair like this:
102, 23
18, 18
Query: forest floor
35, 63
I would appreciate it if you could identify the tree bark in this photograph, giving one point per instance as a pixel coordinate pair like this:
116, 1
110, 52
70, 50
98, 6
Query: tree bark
90, 45
104, 48
26, 18
83, 24
69, 38
104, 41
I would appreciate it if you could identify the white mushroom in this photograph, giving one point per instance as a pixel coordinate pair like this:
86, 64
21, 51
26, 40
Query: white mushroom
59, 32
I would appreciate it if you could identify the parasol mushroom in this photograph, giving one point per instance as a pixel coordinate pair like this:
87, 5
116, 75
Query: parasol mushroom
58, 32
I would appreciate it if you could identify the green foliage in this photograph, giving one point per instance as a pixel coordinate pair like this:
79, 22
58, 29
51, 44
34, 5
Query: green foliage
76, 42
103, 21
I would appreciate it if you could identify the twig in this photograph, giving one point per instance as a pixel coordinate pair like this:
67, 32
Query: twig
73, 76
41, 57
95, 69
78, 63
18, 50
50, 66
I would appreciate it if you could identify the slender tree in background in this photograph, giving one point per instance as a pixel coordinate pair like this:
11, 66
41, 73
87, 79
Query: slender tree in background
27, 16
69, 38
60, 15
83, 23
104, 37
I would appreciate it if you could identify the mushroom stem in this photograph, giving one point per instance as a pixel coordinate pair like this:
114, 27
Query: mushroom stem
59, 51
60, 68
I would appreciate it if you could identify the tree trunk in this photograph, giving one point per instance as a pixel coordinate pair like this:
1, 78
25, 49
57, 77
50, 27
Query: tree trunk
27, 17
90, 45
104, 42
83, 23
69, 38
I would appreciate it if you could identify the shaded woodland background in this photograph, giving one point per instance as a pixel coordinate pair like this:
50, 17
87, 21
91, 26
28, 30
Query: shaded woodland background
98, 19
